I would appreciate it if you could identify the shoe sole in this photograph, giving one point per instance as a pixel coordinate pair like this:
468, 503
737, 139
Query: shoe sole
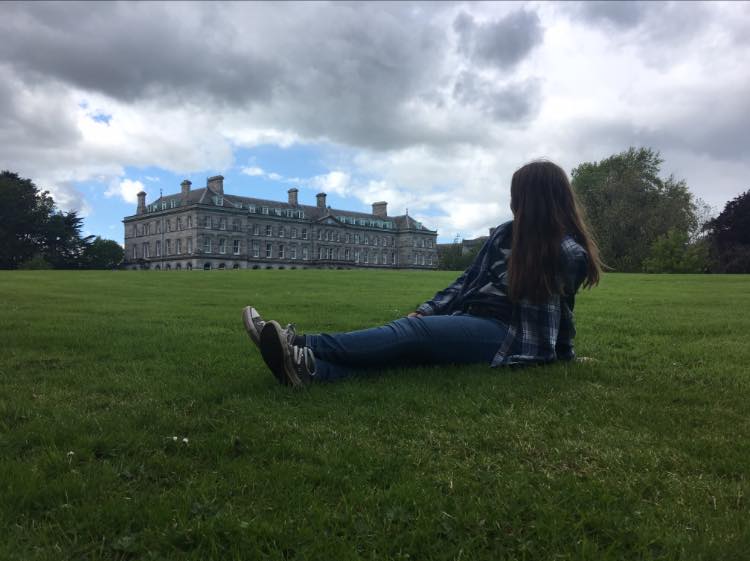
249, 326
273, 351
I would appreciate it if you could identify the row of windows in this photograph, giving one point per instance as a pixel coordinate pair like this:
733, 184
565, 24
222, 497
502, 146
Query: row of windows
164, 205
385, 224
422, 259
221, 223
155, 227
423, 242
171, 247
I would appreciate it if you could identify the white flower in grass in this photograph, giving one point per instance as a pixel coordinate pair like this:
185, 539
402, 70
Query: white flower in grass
185, 440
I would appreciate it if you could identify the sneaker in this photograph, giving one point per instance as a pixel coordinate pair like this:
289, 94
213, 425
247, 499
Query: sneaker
291, 365
253, 324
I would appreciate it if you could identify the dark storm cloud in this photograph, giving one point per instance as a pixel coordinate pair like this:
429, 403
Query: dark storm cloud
509, 103
623, 15
502, 43
134, 50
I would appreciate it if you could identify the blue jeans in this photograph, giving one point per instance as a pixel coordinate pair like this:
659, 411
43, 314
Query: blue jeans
458, 339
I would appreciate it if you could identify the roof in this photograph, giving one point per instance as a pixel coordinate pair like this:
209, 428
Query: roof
203, 195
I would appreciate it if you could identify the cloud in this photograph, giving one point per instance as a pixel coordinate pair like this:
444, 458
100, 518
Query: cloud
429, 106
618, 14
501, 43
126, 189
253, 171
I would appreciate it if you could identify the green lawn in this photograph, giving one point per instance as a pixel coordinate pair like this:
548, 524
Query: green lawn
641, 455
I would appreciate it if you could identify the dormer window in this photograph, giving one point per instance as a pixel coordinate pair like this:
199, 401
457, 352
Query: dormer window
219, 201
265, 210
251, 208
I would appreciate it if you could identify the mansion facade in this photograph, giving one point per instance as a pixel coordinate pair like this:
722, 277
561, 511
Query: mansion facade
208, 229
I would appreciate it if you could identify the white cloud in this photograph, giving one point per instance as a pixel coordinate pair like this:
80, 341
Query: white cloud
126, 189
253, 171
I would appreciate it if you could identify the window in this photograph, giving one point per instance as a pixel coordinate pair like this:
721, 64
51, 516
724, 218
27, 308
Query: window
148, 228
320, 253
375, 257
385, 258
367, 239
348, 238
219, 201
145, 250
206, 245
178, 247
294, 232
256, 248
304, 253
356, 256
277, 211
289, 213
172, 203
327, 234
164, 205
236, 247
346, 254
393, 258
366, 256
269, 248
179, 223
190, 222
268, 230
190, 245
256, 230
281, 231
236, 225
375, 241
223, 224
320, 234
206, 221
251, 208
293, 252
430, 259
356, 238
281, 251
135, 252
158, 248
264, 210
304, 233
222, 245
168, 247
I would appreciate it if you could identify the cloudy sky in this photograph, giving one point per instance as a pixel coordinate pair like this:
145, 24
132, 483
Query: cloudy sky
430, 106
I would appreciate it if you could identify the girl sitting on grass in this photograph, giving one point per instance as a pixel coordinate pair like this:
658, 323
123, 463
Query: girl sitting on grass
512, 306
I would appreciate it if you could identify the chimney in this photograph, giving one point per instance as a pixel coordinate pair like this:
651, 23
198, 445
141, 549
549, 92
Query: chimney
185, 189
292, 196
321, 200
380, 209
141, 203
216, 184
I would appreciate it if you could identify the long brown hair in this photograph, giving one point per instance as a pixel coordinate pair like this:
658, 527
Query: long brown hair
544, 211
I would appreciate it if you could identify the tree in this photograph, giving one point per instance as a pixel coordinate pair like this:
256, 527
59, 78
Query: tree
629, 207
62, 244
102, 254
729, 236
675, 253
24, 214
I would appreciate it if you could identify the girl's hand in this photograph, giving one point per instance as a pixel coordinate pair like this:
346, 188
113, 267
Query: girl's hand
415, 315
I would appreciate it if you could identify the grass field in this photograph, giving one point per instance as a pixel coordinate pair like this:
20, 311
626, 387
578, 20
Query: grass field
138, 422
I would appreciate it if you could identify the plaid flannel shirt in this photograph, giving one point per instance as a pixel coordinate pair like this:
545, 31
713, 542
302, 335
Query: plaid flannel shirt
537, 332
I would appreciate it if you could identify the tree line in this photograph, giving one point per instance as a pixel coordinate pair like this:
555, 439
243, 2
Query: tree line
34, 234
644, 222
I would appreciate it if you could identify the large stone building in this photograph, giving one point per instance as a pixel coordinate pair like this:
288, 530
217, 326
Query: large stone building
209, 229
